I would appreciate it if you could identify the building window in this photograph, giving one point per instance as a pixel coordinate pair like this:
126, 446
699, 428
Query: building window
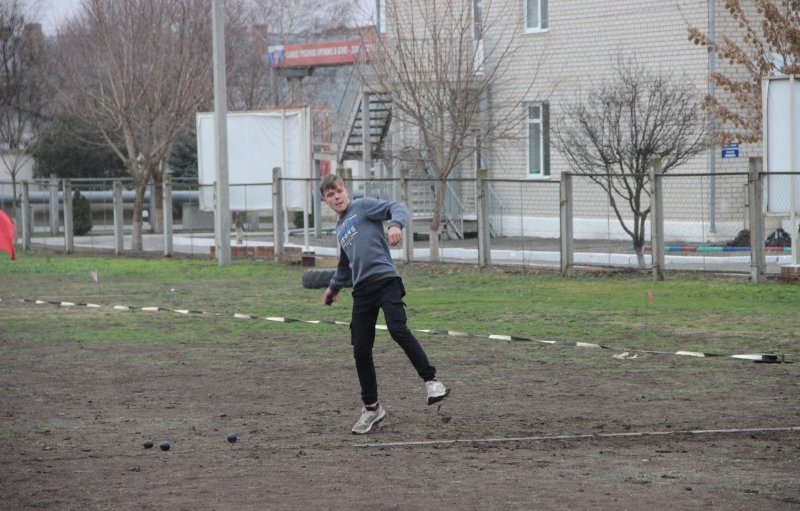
477, 20
535, 15
380, 16
477, 36
539, 140
479, 163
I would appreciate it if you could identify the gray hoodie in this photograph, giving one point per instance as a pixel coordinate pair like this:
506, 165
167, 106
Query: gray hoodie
365, 253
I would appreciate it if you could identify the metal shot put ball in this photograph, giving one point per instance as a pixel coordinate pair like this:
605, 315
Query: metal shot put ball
232, 437
164, 446
148, 444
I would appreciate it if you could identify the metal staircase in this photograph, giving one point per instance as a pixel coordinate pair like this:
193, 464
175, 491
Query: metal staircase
363, 109
424, 194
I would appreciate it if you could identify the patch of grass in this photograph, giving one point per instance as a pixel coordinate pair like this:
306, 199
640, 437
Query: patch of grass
641, 478
709, 314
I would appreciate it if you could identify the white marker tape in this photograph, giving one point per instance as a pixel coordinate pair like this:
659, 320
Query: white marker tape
754, 357
424, 443
691, 353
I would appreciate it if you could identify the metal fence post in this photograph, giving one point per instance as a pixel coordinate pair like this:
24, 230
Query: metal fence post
166, 186
565, 221
119, 220
152, 210
657, 218
53, 185
482, 206
26, 217
277, 213
317, 205
69, 243
408, 232
347, 177
755, 196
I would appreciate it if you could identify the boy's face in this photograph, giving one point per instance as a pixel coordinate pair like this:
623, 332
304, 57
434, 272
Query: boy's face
337, 198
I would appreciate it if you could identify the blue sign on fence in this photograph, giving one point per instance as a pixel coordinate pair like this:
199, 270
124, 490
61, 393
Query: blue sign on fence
730, 150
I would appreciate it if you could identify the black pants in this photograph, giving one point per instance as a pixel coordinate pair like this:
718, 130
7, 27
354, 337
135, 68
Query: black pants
386, 294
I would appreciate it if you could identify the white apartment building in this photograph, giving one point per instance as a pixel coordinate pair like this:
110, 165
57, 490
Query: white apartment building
576, 43
572, 45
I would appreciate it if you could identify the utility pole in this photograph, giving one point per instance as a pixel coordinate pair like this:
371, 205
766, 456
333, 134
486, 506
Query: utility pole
222, 209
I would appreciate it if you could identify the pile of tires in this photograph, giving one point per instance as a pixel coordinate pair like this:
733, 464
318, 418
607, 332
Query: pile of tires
317, 279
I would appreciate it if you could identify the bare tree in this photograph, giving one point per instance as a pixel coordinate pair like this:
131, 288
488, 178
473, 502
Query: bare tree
21, 87
613, 134
277, 22
252, 84
287, 17
439, 61
249, 81
764, 47
138, 71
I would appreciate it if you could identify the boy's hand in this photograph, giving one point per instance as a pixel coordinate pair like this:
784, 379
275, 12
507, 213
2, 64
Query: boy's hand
395, 235
328, 297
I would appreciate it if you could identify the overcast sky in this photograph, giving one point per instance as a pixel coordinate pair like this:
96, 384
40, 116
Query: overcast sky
54, 12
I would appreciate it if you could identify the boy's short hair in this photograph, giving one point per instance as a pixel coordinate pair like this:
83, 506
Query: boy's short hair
331, 181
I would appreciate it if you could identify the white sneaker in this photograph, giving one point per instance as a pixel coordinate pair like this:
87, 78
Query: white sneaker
436, 391
368, 419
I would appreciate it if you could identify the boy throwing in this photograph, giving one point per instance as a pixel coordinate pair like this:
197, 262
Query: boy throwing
366, 264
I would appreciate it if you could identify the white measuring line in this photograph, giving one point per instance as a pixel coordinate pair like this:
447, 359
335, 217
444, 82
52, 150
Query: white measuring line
755, 357
422, 443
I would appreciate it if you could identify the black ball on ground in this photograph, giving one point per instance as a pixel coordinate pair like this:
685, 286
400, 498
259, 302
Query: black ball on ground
148, 444
232, 437
164, 446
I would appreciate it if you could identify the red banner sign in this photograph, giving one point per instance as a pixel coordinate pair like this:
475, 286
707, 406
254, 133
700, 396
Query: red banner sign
314, 54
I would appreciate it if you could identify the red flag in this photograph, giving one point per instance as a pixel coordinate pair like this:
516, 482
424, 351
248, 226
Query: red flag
7, 234
650, 296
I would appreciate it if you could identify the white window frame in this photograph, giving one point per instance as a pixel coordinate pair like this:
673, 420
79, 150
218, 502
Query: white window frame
477, 19
543, 25
380, 16
477, 32
544, 128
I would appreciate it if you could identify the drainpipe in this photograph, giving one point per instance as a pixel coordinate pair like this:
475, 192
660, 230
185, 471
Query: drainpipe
712, 91
792, 179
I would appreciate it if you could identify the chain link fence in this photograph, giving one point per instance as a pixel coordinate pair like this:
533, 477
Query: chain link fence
706, 220
604, 226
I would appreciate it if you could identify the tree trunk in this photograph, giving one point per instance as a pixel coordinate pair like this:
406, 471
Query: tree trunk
640, 257
436, 220
157, 223
14, 198
436, 223
238, 219
640, 220
638, 247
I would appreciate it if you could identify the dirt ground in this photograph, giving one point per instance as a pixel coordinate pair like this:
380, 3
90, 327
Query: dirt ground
74, 417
